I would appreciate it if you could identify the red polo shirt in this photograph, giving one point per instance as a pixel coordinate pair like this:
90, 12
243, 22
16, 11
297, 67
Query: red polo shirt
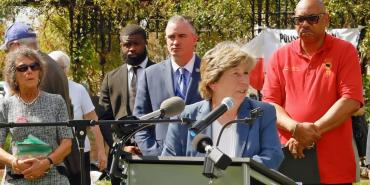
307, 88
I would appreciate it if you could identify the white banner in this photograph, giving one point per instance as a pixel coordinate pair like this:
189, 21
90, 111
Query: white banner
267, 41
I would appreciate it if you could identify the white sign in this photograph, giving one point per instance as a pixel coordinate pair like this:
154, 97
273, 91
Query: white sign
267, 41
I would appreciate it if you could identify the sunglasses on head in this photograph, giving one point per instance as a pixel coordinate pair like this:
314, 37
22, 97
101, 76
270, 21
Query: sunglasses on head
24, 67
311, 19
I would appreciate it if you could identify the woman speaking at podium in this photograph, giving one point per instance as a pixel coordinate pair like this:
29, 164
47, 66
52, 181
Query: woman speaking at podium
225, 73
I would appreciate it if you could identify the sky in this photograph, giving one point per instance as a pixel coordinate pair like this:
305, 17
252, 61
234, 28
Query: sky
26, 15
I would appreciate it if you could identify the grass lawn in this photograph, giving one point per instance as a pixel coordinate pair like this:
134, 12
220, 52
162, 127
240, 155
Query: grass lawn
363, 182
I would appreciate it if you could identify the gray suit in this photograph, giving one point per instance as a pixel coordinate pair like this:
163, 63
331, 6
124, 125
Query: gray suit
156, 87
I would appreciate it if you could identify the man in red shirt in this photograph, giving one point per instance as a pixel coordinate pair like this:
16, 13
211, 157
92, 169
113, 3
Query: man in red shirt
315, 85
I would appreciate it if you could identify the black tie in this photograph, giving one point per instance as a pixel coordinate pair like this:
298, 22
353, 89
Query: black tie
132, 94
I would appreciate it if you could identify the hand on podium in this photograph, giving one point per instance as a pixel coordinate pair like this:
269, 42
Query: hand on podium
132, 150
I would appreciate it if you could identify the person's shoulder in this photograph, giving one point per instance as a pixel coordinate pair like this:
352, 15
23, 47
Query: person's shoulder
51, 97
7, 100
340, 43
116, 70
75, 85
288, 47
150, 63
259, 104
47, 59
157, 66
196, 107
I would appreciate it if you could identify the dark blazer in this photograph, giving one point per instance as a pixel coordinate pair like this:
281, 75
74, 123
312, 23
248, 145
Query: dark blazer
157, 86
114, 96
258, 141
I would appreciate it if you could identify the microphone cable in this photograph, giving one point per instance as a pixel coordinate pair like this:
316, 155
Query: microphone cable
255, 113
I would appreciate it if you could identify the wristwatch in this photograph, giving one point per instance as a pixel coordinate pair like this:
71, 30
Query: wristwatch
50, 162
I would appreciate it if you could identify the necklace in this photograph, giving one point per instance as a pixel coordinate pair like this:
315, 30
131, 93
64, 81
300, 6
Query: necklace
28, 103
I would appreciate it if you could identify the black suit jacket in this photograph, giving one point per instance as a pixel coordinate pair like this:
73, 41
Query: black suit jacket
114, 98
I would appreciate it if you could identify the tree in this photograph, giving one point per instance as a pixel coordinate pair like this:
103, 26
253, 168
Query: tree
88, 29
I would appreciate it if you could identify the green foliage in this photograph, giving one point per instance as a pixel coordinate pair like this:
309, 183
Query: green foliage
217, 21
92, 38
352, 14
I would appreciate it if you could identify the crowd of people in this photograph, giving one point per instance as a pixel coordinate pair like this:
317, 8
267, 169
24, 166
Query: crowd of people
312, 87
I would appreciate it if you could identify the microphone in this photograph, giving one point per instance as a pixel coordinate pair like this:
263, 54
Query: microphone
203, 144
169, 107
198, 126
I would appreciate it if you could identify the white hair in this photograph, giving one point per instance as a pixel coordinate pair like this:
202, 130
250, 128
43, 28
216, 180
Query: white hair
61, 58
24, 41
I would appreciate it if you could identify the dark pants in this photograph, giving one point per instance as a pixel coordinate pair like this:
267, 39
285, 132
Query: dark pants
338, 184
332, 184
76, 178
114, 180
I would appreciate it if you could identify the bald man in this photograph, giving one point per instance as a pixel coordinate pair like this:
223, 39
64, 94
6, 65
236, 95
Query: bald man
315, 85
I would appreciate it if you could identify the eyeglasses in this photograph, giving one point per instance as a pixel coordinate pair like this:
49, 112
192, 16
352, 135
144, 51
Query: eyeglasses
24, 67
311, 19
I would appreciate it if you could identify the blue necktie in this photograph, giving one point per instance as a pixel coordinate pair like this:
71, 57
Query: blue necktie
182, 82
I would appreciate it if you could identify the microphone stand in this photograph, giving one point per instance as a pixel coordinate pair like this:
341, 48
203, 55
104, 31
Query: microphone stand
80, 127
209, 165
119, 153
255, 113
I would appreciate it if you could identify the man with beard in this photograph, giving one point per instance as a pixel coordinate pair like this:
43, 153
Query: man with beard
118, 89
315, 85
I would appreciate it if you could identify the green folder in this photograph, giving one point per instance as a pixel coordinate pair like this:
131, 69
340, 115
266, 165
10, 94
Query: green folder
32, 147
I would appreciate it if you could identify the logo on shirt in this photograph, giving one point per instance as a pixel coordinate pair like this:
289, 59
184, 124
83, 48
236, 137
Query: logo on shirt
327, 66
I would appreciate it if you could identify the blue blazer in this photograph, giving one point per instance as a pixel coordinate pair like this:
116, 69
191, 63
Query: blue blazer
258, 141
157, 87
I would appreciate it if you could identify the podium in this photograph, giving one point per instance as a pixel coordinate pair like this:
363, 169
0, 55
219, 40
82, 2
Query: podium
188, 170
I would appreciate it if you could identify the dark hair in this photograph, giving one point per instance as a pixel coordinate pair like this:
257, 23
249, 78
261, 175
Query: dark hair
132, 29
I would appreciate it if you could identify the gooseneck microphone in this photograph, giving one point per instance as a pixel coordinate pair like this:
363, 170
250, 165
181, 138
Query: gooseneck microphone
200, 125
203, 144
169, 107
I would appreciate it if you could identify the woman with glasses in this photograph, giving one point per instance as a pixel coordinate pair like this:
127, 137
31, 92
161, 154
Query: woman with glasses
23, 72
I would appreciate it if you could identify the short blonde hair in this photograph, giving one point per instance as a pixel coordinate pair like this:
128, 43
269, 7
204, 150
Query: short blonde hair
9, 71
216, 61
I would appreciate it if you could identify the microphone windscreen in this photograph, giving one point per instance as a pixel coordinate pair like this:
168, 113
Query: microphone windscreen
228, 101
200, 141
173, 106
